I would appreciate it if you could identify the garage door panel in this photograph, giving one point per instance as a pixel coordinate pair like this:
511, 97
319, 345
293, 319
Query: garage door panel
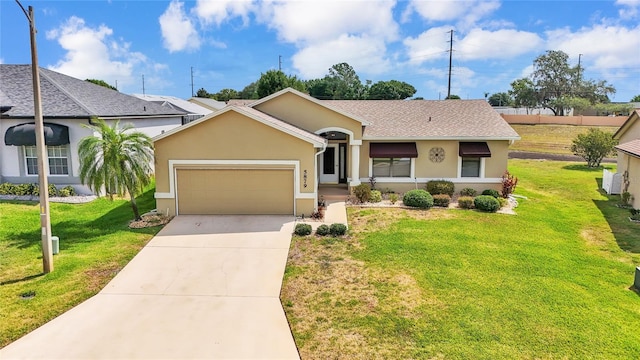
235, 191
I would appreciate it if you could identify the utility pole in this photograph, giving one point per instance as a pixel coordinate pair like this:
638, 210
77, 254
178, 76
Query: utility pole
279, 62
450, 63
579, 58
45, 224
192, 93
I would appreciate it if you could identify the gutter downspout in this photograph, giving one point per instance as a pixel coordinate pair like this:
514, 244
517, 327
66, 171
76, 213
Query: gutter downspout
317, 179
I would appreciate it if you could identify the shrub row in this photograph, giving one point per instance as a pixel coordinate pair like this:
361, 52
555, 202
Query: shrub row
334, 230
34, 189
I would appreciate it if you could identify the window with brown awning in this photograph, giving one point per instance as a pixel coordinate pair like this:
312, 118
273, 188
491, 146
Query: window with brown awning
474, 149
393, 150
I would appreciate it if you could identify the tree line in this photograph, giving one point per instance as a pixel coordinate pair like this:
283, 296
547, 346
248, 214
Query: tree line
560, 87
341, 83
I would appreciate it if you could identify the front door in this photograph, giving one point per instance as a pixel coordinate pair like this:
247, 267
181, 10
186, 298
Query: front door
329, 165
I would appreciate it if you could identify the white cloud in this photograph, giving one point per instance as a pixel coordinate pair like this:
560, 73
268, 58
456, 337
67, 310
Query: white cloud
430, 45
465, 13
362, 53
603, 47
630, 8
312, 21
178, 32
219, 11
503, 44
92, 53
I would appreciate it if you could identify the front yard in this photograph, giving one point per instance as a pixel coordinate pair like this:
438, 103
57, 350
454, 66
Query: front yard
95, 243
551, 282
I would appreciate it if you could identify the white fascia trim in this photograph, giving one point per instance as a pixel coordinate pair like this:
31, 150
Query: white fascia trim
465, 180
174, 165
352, 141
421, 138
309, 98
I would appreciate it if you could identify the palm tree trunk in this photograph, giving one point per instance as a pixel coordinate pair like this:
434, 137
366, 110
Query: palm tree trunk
134, 205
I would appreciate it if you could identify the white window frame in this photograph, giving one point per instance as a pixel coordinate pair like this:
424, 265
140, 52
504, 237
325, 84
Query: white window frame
411, 176
481, 170
49, 149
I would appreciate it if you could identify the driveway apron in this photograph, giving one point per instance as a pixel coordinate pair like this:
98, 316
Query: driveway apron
205, 287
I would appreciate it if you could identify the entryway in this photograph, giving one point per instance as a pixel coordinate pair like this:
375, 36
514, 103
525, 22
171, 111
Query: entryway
333, 164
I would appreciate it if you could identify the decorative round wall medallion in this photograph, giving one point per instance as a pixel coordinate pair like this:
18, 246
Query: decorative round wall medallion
436, 154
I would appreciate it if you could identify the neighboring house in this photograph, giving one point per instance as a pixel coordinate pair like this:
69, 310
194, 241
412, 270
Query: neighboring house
628, 137
192, 109
67, 103
208, 103
271, 156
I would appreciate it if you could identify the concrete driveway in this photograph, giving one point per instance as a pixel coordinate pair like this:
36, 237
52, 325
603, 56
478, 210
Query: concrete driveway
206, 287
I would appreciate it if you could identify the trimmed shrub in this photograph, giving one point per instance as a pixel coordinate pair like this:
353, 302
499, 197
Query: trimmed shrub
393, 197
441, 200
375, 196
436, 187
468, 192
7, 189
53, 190
25, 189
465, 202
67, 191
302, 229
418, 198
337, 229
362, 192
503, 202
322, 230
491, 192
486, 203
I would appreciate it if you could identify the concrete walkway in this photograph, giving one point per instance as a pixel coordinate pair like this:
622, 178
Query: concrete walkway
206, 287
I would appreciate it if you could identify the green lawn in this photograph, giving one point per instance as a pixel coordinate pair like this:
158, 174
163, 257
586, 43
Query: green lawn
95, 243
554, 139
552, 282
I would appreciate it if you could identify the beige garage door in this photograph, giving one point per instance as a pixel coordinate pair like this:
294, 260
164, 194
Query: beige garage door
225, 191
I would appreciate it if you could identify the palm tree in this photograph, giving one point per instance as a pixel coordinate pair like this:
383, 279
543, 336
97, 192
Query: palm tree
117, 161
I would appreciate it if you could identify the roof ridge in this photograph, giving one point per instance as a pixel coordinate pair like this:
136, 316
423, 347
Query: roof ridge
61, 88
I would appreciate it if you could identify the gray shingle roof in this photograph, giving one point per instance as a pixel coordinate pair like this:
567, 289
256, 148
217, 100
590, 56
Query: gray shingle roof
65, 96
632, 147
431, 119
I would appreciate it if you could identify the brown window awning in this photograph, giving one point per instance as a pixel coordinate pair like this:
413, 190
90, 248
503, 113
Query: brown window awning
474, 149
393, 150
25, 134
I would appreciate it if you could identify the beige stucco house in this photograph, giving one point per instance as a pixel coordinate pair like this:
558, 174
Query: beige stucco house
628, 137
272, 155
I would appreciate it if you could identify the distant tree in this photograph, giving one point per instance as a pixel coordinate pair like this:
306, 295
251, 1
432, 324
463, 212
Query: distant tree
341, 83
524, 94
390, 90
452, 97
226, 95
593, 146
275, 80
101, 83
202, 93
635, 98
118, 161
557, 84
250, 91
500, 99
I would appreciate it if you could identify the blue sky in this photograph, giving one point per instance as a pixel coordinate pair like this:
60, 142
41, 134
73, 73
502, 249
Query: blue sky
229, 43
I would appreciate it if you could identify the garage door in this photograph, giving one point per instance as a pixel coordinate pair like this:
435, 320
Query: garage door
235, 191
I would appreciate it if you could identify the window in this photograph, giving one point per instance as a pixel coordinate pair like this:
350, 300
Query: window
58, 157
470, 167
391, 167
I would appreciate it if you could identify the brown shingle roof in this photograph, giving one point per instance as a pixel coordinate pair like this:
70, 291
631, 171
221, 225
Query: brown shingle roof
632, 148
432, 119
